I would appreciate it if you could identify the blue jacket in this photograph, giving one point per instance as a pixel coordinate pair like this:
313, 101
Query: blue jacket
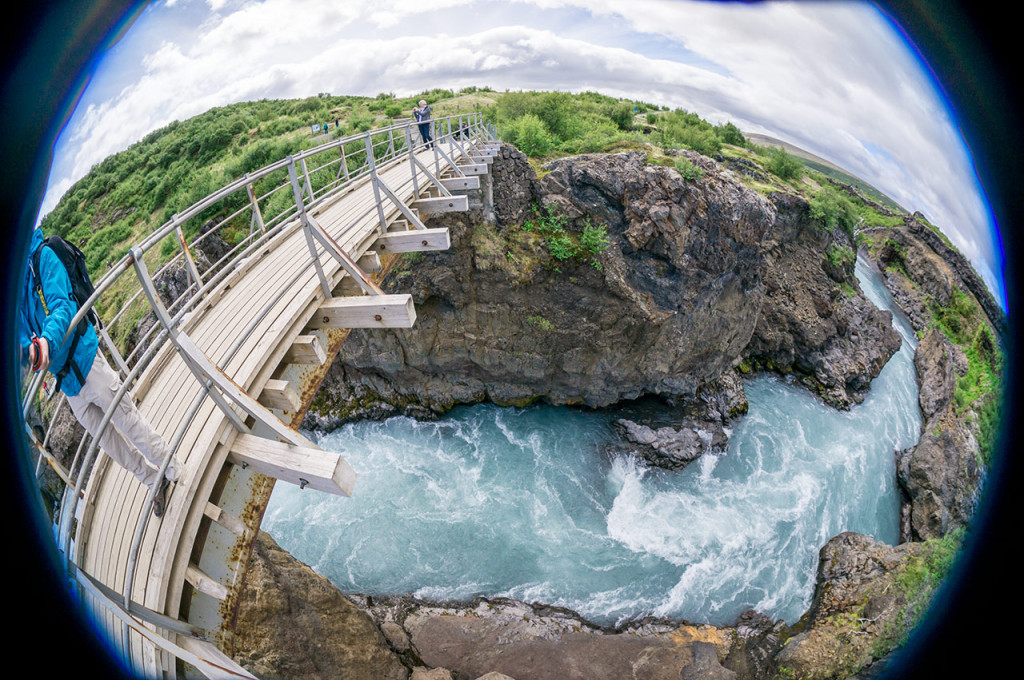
56, 290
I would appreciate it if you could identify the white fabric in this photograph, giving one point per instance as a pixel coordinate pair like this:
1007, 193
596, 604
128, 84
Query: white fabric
133, 441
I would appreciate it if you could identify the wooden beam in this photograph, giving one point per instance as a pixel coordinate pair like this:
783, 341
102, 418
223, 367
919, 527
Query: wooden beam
399, 225
460, 183
224, 518
414, 240
441, 204
204, 584
369, 262
213, 663
348, 287
280, 395
474, 169
321, 470
481, 159
367, 311
306, 350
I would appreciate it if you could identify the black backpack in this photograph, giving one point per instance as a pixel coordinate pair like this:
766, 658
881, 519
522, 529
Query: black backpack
81, 289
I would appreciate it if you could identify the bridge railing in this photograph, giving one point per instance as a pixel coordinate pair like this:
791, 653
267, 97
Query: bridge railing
252, 210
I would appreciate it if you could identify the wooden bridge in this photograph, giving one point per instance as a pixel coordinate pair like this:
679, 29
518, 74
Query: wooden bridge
229, 368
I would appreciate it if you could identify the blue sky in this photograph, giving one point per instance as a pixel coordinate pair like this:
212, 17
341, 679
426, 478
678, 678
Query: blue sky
833, 78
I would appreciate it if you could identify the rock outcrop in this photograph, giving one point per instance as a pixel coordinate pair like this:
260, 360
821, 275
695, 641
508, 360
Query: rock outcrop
942, 474
861, 608
815, 324
698, 277
292, 623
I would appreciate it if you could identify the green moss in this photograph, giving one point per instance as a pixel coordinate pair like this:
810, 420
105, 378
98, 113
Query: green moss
540, 322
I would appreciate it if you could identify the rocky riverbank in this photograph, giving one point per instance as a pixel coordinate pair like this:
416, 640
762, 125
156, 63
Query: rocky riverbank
959, 366
701, 281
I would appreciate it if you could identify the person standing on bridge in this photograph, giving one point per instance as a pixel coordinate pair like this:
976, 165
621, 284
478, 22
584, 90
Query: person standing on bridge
422, 115
47, 309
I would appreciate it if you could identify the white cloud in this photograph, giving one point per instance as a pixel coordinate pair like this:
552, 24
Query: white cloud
833, 77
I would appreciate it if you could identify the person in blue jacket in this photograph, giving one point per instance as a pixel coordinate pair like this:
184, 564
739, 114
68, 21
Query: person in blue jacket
90, 384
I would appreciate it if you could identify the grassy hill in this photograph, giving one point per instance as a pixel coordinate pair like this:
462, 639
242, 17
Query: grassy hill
827, 169
133, 192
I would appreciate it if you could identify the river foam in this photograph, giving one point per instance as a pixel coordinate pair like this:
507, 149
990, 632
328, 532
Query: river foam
526, 503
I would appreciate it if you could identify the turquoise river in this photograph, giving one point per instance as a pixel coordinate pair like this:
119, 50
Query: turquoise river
528, 504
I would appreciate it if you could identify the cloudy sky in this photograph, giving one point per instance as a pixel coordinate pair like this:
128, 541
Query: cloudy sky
836, 78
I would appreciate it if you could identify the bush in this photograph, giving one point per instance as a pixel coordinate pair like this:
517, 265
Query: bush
830, 209
784, 165
622, 115
530, 135
730, 134
688, 170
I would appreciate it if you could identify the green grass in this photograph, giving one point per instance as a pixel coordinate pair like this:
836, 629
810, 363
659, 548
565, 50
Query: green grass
564, 245
963, 322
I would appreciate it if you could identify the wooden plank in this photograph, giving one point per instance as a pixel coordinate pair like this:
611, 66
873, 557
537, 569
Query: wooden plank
476, 158
224, 518
215, 664
280, 395
204, 584
474, 169
441, 204
306, 350
368, 311
302, 465
414, 240
460, 183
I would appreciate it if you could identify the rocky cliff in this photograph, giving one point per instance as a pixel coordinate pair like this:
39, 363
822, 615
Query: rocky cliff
959, 368
697, 278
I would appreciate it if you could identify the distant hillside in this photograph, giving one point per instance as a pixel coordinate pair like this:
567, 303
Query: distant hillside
826, 168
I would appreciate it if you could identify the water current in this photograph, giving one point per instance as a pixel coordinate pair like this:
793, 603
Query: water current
527, 503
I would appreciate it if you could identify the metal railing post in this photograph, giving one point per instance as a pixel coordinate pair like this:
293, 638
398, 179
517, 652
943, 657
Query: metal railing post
344, 163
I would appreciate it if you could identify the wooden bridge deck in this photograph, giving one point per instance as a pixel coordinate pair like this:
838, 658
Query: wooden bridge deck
115, 500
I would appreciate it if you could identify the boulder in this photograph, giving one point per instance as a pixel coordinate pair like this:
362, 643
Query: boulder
292, 623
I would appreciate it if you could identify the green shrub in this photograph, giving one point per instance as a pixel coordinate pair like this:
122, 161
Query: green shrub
784, 165
730, 134
688, 170
562, 245
841, 256
530, 135
831, 209
622, 115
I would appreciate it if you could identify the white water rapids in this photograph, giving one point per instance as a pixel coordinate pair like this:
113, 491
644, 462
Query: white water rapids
523, 503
